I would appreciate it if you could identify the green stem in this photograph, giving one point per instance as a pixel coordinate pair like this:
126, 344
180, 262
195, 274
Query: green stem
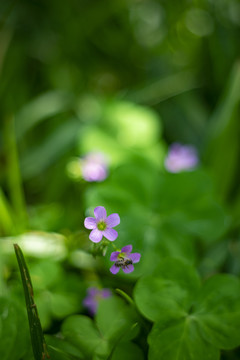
115, 248
2, 282
6, 218
125, 296
13, 175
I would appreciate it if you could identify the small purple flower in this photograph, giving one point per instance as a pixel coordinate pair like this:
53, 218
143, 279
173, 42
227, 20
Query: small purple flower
102, 225
94, 295
94, 167
181, 157
124, 259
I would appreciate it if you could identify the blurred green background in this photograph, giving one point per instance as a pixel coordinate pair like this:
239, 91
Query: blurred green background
126, 78
67, 66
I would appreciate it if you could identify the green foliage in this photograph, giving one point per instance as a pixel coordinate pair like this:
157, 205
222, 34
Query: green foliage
168, 214
173, 286
123, 130
180, 340
54, 295
128, 79
14, 339
189, 322
114, 328
222, 142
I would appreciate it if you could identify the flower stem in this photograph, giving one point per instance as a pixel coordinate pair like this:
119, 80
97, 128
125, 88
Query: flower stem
115, 248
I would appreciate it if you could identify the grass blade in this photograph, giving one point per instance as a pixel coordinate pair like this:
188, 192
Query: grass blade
38, 342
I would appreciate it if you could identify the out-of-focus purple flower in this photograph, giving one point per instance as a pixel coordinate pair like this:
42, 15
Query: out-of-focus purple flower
94, 295
94, 167
102, 225
124, 259
181, 157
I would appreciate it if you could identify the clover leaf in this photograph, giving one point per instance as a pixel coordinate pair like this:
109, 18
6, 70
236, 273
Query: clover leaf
115, 323
191, 322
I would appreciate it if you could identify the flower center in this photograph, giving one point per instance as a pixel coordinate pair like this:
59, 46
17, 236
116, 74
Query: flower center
101, 225
123, 261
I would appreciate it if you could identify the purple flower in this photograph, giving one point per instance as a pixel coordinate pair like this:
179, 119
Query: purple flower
102, 225
94, 167
181, 157
124, 259
94, 295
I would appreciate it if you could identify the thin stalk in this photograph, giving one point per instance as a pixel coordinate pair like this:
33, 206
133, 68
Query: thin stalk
14, 180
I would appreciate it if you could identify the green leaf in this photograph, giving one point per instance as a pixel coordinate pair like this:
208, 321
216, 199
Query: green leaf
172, 242
41, 108
222, 142
50, 150
127, 351
116, 319
58, 345
40, 273
80, 331
217, 311
37, 338
191, 323
14, 337
133, 125
57, 354
178, 340
170, 290
168, 87
63, 304
115, 322
179, 206
14, 176
124, 130
103, 350
6, 215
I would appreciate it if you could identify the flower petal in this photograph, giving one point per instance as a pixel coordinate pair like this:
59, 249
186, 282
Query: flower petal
89, 301
114, 255
114, 269
92, 291
90, 223
135, 257
100, 213
128, 269
106, 293
96, 235
127, 249
113, 220
110, 234
91, 305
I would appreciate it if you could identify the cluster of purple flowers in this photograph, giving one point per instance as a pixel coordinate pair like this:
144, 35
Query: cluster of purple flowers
102, 226
179, 158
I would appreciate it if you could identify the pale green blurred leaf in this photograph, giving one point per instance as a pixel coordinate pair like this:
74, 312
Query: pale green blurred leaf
37, 159
41, 108
222, 139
